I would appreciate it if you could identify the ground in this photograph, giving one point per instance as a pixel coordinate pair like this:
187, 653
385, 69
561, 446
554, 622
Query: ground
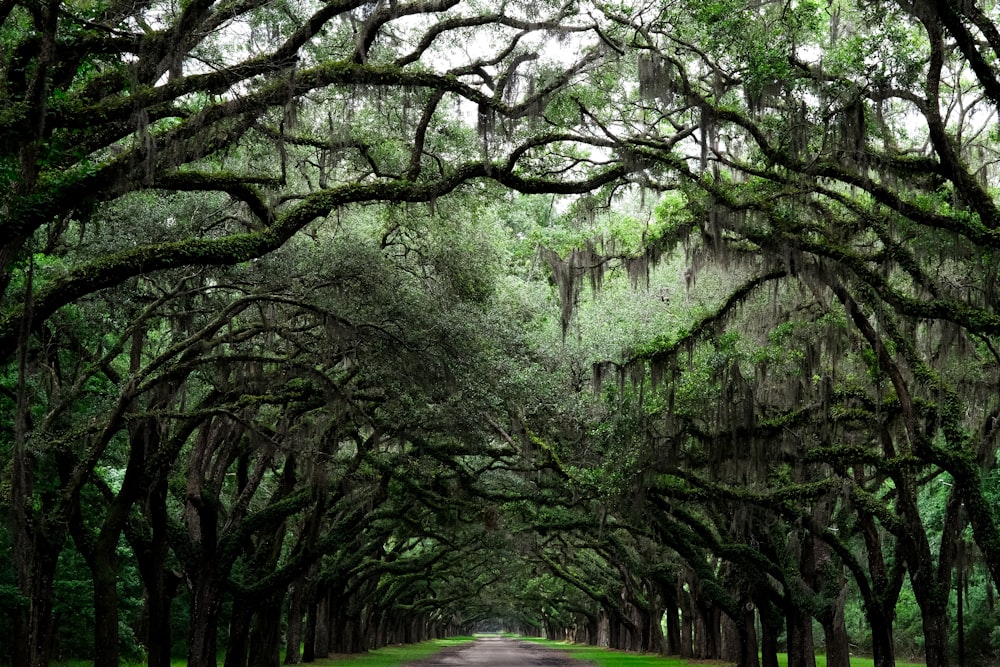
499, 652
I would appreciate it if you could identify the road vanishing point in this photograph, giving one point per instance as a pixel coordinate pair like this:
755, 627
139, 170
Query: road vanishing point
499, 652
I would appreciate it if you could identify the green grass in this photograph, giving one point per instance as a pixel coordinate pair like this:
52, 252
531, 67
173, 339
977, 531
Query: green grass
393, 656
389, 656
603, 657
855, 662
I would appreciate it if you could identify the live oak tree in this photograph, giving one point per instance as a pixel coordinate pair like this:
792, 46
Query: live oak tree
846, 150
330, 105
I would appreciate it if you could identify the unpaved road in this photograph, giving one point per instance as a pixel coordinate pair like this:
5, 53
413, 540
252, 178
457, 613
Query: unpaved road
499, 652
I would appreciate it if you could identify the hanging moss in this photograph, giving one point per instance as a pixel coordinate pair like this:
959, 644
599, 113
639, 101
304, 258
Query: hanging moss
655, 78
570, 273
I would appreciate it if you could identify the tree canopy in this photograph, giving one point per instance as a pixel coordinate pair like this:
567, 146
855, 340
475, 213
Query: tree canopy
671, 327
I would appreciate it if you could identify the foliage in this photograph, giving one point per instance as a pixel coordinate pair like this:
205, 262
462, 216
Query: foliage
648, 325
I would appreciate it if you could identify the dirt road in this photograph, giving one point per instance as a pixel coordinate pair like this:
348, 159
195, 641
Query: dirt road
499, 652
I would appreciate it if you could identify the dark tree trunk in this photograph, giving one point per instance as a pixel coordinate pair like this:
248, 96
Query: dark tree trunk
37, 540
614, 629
265, 635
381, 631
293, 633
358, 637
593, 630
879, 612
936, 634
653, 630
34, 626
801, 649
838, 650
237, 646
321, 627
673, 621
687, 620
771, 624
312, 618
883, 648
104, 569
409, 630
708, 632
732, 640
206, 601
749, 649
161, 584
338, 625
960, 612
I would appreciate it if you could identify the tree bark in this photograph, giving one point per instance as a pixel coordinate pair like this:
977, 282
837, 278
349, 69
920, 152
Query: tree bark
323, 631
672, 614
936, 633
309, 633
34, 626
749, 648
687, 620
293, 633
265, 634
801, 649
161, 584
838, 650
206, 601
237, 645
104, 568
770, 628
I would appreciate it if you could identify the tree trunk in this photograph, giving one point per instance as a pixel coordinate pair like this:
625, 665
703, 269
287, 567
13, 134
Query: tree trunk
672, 614
265, 635
687, 620
731, 644
707, 632
337, 625
206, 601
293, 633
614, 633
104, 570
35, 548
593, 630
749, 649
321, 626
312, 618
959, 611
801, 649
237, 646
883, 648
161, 584
936, 634
838, 650
770, 628
34, 627
653, 620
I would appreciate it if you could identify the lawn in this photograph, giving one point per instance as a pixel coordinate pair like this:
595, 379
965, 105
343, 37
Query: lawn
389, 656
393, 656
603, 657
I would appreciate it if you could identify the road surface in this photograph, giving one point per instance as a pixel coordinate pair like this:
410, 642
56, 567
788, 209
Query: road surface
499, 652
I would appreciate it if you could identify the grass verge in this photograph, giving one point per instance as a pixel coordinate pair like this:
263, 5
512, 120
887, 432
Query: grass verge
603, 657
393, 656
389, 656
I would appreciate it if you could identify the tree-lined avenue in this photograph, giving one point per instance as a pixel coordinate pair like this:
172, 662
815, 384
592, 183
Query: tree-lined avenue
670, 327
